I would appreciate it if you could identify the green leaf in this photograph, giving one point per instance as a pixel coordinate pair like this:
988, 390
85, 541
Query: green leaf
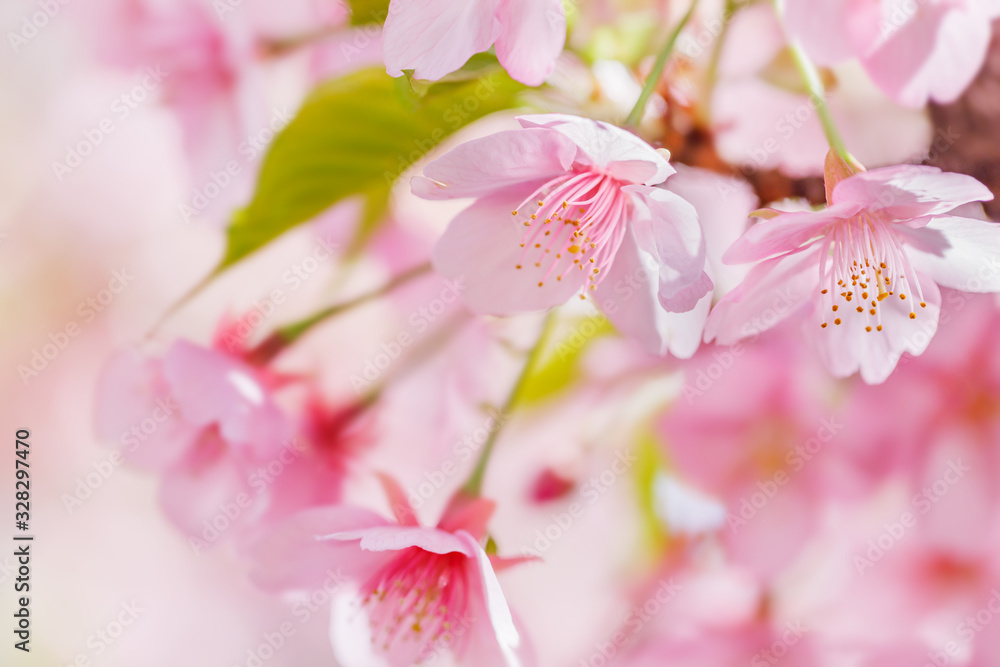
368, 11
354, 136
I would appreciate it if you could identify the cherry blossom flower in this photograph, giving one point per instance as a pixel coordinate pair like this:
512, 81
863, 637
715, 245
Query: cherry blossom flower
586, 217
868, 265
203, 419
409, 593
436, 37
914, 50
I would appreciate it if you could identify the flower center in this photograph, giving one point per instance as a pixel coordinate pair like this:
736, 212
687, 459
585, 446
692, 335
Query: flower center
573, 222
419, 596
861, 265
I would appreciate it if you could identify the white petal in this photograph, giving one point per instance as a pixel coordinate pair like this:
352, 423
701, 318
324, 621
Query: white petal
624, 155
684, 509
960, 253
848, 348
628, 297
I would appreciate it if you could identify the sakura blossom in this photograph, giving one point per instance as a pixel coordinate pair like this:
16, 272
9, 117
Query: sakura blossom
564, 206
436, 38
219, 420
869, 265
412, 592
914, 50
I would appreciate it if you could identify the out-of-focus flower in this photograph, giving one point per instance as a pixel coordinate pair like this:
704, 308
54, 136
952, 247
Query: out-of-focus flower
407, 592
884, 233
437, 37
952, 392
704, 612
202, 418
763, 117
209, 73
586, 214
213, 65
331, 439
748, 432
915, 50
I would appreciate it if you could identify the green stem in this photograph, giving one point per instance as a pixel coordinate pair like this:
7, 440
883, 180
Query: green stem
814, 85
281, 339
474, 485
654, 76
704, 110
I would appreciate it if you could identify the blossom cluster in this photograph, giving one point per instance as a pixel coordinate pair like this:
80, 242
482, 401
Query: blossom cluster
683, 339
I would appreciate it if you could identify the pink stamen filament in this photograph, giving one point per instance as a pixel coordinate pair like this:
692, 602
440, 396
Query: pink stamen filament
583, 215
862, 263
418, 596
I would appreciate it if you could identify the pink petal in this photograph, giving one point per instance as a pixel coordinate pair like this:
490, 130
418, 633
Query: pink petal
667, 228
771, 292
723, 204
212, 388
904, 192
531, 38
824, 27
499, 161
436, 37
936, 55
136, 411
401, 507
290, 555
628, 297
960, 253
397, 538
494, 639
502, 564
785, 233
468, 513
207, 492
963, 41
624, 155
847, 349
310, 480
482, 247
